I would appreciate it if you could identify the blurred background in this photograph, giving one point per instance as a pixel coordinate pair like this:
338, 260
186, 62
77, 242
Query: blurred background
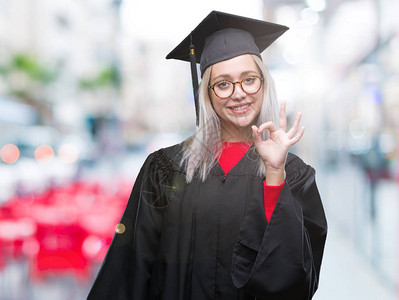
86, 94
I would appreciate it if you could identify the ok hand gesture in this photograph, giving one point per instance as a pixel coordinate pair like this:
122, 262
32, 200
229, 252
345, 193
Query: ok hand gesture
274, 150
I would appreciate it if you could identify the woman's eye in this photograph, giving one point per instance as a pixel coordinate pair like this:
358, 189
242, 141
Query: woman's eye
250, 79
223, 84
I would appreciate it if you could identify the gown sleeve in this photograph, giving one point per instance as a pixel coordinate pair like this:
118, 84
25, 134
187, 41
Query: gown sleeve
126, 270
282, 260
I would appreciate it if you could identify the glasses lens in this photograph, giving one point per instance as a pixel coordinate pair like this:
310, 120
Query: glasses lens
251, 84
223, 89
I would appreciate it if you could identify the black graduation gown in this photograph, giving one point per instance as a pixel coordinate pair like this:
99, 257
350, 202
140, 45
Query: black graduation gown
211, 240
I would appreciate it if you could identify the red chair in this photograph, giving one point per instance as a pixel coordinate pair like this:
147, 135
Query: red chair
60, 251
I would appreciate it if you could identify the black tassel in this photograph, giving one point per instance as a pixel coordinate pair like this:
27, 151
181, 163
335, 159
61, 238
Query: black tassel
194, 77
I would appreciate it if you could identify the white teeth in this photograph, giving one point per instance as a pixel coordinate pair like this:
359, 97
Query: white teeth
240, 107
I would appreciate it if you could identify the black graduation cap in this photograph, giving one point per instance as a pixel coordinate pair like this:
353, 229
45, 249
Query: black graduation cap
221, 36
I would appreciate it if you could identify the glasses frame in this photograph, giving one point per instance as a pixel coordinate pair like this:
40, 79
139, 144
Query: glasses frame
212, 87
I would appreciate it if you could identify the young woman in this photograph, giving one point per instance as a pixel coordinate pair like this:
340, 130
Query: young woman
228, 213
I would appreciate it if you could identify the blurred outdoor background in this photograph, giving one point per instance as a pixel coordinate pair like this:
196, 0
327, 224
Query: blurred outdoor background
86, 94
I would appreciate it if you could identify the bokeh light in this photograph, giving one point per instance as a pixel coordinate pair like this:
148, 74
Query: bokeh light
68, 153
93, 245
310, 16
9, 153
44, 154
317, 5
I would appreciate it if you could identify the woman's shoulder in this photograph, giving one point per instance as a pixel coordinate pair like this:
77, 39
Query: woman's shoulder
294, 161
173, 152
296, 168
167, 158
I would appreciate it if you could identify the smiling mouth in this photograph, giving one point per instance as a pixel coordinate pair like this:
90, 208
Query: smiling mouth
240, 108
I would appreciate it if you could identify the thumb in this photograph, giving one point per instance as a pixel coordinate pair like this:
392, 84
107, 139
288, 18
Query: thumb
256, 135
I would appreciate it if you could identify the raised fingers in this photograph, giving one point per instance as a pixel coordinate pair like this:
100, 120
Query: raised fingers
295, 126
283, 118
296, 138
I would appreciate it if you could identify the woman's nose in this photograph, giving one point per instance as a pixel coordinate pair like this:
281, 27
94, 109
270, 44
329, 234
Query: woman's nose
238, 92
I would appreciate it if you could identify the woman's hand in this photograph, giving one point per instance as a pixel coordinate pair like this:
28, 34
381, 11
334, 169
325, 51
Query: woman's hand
273, 151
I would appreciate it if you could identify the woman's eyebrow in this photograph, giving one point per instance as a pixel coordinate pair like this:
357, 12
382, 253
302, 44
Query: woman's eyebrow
228, 76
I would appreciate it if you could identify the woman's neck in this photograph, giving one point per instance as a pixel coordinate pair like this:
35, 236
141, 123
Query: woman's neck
235, 135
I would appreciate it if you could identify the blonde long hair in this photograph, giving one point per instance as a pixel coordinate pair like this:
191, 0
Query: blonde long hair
200, 152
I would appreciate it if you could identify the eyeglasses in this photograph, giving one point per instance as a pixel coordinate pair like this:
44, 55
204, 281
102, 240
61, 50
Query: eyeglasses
225, 88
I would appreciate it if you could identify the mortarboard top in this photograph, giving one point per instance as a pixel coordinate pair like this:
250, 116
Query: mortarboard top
221, 36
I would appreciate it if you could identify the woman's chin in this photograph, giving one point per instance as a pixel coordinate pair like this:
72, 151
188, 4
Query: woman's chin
243, 122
